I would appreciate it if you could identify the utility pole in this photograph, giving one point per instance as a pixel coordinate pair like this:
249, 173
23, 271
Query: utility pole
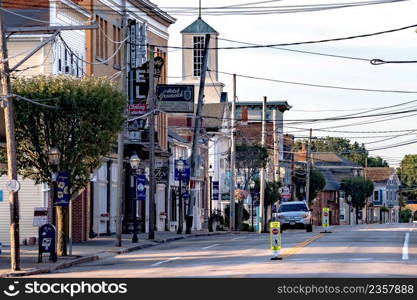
366, 200
152, 183
120, 141
196, 135
233, 159
276, 168
308, 158
8, 107
262, 183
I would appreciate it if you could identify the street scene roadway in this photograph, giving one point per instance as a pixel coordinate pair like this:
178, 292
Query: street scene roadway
374, 250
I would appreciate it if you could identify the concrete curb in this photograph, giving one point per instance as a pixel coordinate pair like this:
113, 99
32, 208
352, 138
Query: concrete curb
64, 265
90, 258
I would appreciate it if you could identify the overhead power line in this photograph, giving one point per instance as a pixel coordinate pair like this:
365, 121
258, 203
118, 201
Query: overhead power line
300, 51
395, 145
247, 9
262, 10
319, 85
299, 43
378, 62
356, 131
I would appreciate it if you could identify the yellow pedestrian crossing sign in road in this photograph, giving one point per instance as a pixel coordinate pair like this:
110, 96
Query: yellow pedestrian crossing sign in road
326, 219
275, 237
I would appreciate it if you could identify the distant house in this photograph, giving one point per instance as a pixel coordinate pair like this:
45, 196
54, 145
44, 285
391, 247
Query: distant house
334, 168
386, 194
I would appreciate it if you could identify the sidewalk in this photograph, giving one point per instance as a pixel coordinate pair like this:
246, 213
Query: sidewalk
94, 249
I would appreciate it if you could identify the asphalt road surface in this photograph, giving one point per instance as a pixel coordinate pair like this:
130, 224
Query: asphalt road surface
377, 250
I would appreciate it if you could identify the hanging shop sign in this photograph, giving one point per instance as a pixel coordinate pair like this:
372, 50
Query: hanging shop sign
175, 98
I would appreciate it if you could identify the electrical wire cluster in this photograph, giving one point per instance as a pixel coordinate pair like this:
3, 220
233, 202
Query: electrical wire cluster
371, 116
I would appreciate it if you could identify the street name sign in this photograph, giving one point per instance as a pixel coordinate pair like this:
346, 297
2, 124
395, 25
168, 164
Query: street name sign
13, 186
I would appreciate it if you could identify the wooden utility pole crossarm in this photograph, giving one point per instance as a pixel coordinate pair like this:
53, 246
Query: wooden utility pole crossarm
10, 147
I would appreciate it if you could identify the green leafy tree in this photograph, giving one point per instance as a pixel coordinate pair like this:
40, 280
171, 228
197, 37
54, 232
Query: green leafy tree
377, 162
405, 215
271, 197
359, 188
250, 158
408, 170
317, 183
245, 215
83, 126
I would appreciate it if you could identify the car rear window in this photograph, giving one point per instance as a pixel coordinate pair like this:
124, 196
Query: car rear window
292, 207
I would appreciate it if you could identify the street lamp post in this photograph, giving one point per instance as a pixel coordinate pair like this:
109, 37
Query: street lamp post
211, 174
180, 168
53, 157
252, 190
134, 164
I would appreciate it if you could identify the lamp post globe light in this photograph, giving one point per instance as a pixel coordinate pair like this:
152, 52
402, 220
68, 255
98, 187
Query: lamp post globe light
54, 156
134, 164
180, 168
134, 161
252, 195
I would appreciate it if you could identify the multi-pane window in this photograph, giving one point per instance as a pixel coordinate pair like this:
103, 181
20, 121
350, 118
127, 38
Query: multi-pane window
59, 55
198, 48
117, 34
66, 67
101, 41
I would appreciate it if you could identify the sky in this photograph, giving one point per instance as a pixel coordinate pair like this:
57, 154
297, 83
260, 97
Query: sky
313, 102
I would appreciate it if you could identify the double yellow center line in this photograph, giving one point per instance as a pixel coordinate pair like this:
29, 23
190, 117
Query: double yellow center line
298, 247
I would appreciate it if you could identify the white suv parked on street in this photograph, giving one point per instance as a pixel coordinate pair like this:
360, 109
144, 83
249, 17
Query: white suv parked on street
295, 214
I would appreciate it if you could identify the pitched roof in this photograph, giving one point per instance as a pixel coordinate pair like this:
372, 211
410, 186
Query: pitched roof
172, 134
199, 26
334, 178
332, 184
332, 159
379, 174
